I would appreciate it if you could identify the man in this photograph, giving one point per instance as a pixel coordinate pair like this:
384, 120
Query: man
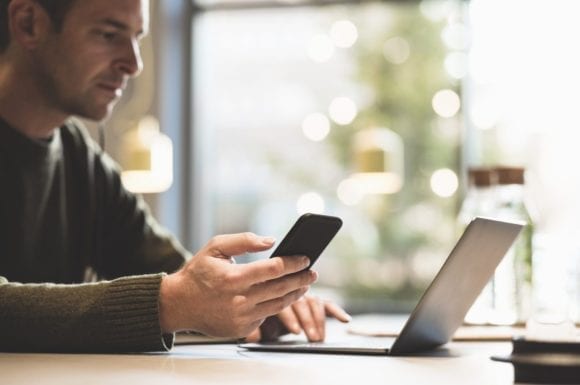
64, 214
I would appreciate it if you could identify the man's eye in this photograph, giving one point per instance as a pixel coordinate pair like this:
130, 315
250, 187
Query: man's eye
108, 36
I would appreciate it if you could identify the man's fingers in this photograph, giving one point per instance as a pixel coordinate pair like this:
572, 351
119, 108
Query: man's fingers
238, 244
254, 336
272, 268
306, 319
266, 291
275, 306
289, 320
317, 310
333, 310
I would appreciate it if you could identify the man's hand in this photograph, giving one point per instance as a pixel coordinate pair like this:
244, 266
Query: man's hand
214, 296
308, 314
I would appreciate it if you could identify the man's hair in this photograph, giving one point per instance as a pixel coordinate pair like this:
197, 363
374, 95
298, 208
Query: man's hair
56, 9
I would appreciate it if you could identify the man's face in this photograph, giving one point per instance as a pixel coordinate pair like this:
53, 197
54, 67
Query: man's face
83, 69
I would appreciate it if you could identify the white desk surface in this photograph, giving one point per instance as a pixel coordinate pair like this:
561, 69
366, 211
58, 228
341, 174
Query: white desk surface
465, 363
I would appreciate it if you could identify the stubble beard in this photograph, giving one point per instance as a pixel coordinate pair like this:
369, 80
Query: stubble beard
88, 108
85, 105
61, 97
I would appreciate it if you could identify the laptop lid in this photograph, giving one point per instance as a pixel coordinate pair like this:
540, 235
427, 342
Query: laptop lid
464, 274
443, 306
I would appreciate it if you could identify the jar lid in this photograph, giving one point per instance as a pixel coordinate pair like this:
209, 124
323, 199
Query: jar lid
481, 176
510, 175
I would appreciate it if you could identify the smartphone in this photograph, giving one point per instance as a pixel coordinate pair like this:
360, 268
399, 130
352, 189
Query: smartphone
309, 236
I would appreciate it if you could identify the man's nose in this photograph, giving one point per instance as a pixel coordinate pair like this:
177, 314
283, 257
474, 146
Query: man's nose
131, 62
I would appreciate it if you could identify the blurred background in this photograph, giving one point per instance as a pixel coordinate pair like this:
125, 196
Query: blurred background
250, 113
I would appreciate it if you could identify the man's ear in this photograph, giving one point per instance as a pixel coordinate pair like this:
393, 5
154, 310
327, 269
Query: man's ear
28, 22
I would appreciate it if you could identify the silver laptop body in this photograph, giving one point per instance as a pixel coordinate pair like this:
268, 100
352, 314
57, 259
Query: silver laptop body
443, 306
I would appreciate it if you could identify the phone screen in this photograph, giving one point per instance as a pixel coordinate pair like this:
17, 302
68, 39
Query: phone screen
309, 236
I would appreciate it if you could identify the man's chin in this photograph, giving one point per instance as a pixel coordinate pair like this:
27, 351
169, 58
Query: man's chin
96, 113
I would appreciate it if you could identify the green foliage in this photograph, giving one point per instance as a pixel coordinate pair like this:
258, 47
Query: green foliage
402, 102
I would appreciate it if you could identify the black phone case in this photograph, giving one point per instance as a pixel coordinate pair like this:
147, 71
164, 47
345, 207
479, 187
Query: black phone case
309, 236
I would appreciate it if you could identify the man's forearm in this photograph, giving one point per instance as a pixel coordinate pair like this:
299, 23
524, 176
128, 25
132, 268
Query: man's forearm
111, 316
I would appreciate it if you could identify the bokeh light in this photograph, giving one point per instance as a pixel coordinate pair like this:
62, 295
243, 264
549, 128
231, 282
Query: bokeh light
455, 36
310, 202
342, 110
350, 192
436, 10
316, 127
456, 64
444, 182
343, 33
396, 50
446, 103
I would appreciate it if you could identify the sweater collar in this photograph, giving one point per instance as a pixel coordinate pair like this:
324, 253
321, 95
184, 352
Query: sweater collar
18, 145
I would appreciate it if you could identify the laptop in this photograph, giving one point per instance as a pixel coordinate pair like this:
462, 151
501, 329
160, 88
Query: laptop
443, 306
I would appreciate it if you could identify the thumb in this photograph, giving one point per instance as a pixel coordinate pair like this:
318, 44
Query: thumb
238, 244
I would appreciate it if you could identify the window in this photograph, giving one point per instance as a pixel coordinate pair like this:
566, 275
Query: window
349, 109
524, 82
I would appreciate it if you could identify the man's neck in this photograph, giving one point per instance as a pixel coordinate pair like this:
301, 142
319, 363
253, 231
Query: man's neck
23, 108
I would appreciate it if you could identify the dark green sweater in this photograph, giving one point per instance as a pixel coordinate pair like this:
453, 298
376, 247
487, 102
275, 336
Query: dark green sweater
66, 219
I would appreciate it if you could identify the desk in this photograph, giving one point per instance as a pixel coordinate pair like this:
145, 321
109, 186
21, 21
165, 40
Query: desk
467, 363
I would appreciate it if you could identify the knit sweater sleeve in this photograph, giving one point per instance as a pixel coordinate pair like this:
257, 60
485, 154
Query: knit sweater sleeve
109, 316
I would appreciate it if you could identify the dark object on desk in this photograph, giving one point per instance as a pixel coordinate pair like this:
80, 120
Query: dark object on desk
543, 362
